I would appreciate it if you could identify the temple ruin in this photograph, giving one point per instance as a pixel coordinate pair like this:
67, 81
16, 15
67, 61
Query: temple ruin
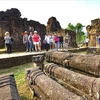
54, 26
93, 32
11, 21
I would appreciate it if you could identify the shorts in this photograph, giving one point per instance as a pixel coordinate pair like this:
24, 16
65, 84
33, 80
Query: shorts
36, 42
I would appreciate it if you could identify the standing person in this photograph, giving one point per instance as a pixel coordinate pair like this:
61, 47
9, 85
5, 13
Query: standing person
60, 41
36, 41
40, 42
67, 38
8, 42
86, 41
51, 40
99, 40
56, 39
25, 41
47, 42
30, 42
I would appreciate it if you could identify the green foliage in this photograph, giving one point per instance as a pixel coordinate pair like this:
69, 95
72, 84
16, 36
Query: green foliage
80, 35
71, 27
80, 38
79, 27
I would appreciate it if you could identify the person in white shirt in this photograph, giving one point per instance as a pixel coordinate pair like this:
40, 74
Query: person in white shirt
47, 44
86, 41
51, 41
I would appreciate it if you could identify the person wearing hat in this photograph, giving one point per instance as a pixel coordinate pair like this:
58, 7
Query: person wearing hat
25, 41
36, 41
7, 39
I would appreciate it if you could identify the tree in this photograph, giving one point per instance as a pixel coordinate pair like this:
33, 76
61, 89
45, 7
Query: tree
71, 27
80, 35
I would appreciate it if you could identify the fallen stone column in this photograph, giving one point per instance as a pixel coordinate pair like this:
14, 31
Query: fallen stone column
78, 83
57, 57
96, 89
8, 89
50, 89
86, 63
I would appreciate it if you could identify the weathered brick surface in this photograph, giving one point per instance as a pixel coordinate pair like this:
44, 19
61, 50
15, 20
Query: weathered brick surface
8, 89
50, 88
77, 82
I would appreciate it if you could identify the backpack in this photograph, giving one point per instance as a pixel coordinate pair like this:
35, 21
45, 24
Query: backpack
12, 40
44, 41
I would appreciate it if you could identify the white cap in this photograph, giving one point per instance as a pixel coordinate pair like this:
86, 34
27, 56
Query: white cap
35, 31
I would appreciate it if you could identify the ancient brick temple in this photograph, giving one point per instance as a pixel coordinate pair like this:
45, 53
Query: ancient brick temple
54, 26
93, 32
11, 21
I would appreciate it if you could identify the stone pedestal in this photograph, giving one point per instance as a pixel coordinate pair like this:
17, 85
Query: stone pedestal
39, 61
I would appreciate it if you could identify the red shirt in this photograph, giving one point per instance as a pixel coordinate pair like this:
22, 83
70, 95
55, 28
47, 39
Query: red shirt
36, 38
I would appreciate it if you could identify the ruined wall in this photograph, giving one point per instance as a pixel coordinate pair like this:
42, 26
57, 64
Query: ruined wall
3, 28
53, 26
11, 21
93, 31
72, 41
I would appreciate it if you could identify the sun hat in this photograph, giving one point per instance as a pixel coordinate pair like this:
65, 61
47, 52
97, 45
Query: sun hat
25, 32
6, 33
35, 31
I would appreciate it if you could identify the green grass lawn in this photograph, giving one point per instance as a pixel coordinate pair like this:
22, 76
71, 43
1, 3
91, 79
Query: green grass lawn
19, 74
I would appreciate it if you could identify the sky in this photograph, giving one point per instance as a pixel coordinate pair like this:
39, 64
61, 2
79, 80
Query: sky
65, 11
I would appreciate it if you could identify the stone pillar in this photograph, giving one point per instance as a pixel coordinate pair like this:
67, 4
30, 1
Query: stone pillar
39, 61
72, 80
48, 89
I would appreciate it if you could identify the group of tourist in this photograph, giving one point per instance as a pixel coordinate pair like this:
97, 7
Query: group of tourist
51, 41
54, 41
32, 41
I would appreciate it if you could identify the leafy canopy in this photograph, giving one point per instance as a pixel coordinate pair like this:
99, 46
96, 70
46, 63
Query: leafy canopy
78, 28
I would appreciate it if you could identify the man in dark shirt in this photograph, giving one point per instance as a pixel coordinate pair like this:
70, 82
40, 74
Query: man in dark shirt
60, 41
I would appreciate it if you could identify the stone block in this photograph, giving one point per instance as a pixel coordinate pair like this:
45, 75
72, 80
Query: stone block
8, 89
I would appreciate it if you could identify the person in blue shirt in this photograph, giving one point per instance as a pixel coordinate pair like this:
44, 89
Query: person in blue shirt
99, 40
